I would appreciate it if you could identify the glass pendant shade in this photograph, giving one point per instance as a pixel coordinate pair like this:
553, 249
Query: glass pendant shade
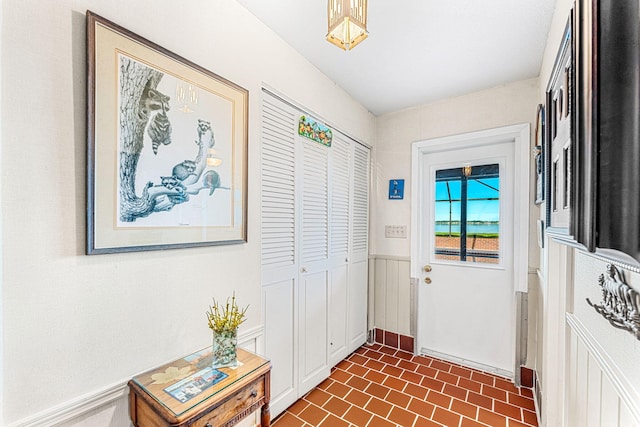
347, 22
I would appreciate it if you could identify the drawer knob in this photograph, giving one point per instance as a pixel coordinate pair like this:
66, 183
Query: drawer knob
254, 393
208, 425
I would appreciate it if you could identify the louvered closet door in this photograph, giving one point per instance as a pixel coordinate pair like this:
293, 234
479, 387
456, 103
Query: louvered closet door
314, 254
340, 157
359, 250
314, 202
278, 250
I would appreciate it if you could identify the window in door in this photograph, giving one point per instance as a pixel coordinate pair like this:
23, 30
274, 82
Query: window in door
467, 214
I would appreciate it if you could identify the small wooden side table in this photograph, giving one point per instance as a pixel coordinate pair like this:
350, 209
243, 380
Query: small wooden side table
189, 392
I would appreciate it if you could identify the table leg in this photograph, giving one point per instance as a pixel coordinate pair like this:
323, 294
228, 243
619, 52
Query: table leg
265, 416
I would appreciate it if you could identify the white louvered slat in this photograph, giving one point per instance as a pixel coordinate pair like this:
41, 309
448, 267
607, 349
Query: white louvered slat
278, 185
340, 186
360, 223
315, 212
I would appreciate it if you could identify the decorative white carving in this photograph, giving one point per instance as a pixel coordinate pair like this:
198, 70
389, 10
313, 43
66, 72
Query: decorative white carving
620, 303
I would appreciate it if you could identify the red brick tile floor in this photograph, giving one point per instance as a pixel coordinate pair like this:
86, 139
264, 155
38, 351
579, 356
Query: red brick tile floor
379, 386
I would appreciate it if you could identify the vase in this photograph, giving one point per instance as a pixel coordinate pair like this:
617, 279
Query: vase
224, 348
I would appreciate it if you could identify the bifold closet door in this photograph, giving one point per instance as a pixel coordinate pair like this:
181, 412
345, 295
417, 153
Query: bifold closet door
359, 247
278, 249
340, 170
314, 255
314, 244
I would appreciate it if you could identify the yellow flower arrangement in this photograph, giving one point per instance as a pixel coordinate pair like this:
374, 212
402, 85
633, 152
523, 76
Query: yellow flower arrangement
227, 318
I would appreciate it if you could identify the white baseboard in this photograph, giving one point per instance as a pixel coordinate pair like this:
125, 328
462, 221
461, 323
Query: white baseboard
468, 363
67, 412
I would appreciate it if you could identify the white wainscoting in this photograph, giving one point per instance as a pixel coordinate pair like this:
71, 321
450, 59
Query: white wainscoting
598, 394
392, 294
109, 407
603, 378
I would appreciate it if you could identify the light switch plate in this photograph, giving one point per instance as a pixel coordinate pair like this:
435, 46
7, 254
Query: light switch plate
395, 231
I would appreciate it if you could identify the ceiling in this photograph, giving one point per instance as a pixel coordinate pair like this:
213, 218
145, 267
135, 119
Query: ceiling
419, 51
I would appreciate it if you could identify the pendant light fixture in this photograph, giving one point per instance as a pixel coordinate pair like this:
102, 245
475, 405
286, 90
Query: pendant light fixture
347, 22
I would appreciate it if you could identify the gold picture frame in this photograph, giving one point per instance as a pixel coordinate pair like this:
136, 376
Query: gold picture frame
149, 186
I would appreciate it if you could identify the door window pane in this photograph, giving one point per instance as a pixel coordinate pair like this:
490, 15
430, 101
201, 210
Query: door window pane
447, 225
467, 214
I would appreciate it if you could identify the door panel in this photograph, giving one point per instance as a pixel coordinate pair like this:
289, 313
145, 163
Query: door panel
466, 313
279, 313
360, 200
359, 242
358, 296
279, 257
314, 270
338, 314
339, 208
313, 330
315, 205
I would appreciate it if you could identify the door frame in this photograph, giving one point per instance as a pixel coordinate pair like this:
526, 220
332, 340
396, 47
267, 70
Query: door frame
520, 136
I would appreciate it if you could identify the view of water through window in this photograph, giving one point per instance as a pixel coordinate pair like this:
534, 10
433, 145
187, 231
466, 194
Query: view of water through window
467, 214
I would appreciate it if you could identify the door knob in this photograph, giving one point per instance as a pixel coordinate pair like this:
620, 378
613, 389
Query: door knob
427, 268
427, 280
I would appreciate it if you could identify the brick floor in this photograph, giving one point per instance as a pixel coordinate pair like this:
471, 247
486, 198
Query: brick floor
382, 386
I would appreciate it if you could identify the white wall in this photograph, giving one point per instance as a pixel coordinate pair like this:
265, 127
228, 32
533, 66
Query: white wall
603, 375
75, 325
598, 363
499, 106
558, 24
392, 294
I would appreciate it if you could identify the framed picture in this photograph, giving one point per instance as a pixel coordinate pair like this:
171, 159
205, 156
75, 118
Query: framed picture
539, 154
557, 146
167, 148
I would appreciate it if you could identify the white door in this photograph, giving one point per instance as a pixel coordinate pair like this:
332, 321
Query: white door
314, 251
278, 249
340, 157
359, 248
464, 253
314, 264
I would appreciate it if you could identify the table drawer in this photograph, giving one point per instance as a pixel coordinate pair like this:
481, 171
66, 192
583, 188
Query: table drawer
237, 406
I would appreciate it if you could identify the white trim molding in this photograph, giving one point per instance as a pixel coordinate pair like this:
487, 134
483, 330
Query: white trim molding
71, 410
518, 136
